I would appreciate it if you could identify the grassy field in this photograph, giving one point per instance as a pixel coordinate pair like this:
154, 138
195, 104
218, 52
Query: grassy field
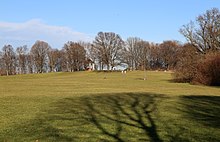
97, 106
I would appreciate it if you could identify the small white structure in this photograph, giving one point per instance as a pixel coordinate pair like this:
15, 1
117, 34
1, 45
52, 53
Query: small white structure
124, 71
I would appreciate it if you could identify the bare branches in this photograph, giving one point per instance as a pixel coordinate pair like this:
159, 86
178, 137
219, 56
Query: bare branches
22, 52
205, 35
75, 56
108, 46
39, 52
8, 58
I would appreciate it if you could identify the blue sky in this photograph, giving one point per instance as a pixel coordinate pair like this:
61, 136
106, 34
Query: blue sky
22, 22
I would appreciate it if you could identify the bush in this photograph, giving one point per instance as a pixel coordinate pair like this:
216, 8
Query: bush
198, 68
208, 71
186, 66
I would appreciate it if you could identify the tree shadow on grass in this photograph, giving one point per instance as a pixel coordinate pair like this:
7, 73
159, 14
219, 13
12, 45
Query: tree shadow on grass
122, 113
204, 109
106, 117
119, 117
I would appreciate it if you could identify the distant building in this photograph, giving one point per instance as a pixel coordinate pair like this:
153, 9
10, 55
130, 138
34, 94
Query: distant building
90, 65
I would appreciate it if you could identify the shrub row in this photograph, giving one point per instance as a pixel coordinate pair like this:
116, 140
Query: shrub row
198, 69
208, 72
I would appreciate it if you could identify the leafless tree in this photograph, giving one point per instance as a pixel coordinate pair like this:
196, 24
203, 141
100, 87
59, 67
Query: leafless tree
54, 59
75, 56
22, 59
156, 59
204, 33
142, 52
137, 53
169, 54
91, 56
9, 59
130, 54
40, 52
30, 63
63, 62
95, 54
108, 46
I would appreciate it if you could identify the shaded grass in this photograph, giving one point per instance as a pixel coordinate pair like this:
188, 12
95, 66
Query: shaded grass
84, 106
204, 109
125, 117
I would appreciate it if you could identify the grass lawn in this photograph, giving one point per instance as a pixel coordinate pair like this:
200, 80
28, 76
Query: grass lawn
97, 106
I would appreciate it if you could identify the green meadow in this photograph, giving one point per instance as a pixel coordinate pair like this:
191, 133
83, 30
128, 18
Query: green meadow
100, 106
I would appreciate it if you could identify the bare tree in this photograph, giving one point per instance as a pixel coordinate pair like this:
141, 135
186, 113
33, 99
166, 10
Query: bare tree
95, 54
204, 34
30, 63
142, 52
137, 53
9, 60
54, 59
169, 53
22, 59
91, 56
39, 52
156, 58
63, 62
1, 64
75, 56
108, 46
130, 55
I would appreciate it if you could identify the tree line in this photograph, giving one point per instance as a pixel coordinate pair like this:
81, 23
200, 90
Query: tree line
109, 50
106, 52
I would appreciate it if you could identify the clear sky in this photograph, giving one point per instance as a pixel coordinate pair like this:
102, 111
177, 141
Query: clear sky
22, 22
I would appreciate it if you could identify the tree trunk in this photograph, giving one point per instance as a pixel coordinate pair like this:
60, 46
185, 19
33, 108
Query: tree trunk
108, 67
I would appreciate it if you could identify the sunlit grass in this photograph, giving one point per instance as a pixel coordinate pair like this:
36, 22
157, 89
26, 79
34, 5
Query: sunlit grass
97, 106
